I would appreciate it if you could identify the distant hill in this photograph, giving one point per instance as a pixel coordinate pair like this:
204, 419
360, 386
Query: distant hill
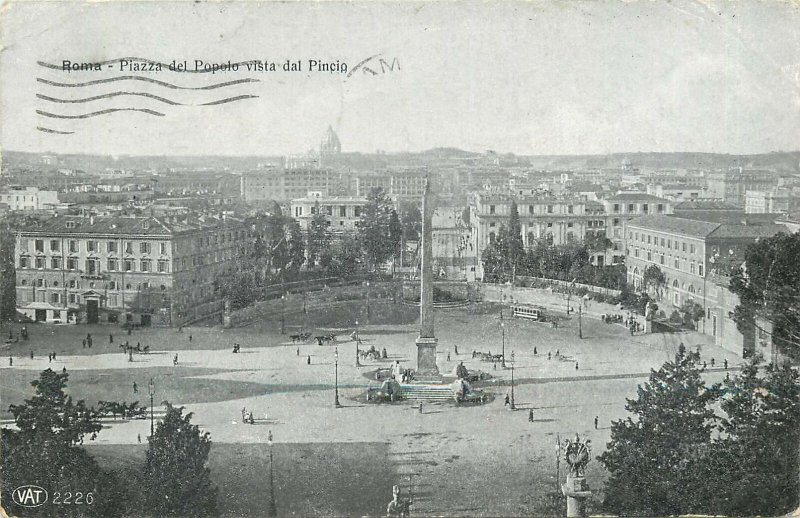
783, 162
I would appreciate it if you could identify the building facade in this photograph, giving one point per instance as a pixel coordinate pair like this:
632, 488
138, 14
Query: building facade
695, 257
343, 213
28, 198
554, 221
124, 269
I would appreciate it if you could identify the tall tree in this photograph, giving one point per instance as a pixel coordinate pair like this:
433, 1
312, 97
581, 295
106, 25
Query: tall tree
45, 449
514, 244
318, 237
656, 457
177, 480
767, 289
755, 461
395, 232
373, 229
411, 217
297, 246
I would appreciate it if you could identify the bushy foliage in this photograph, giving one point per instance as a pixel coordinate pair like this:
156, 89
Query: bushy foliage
176, 477
676, 455
45, 450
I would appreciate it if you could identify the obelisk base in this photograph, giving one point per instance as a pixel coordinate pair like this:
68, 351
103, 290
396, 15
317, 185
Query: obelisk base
426, 359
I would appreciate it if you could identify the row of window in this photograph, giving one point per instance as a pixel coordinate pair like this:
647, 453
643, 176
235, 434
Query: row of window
92, 266
328, 209
95, 246
74, 284
676, 262
645, 208
665, 242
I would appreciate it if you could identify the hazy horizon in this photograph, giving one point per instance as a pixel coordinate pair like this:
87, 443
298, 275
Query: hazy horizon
533, 79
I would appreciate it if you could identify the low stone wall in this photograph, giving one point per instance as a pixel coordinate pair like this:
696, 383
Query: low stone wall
314, 301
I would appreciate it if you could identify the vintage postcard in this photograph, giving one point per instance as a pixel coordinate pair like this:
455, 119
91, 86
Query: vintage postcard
333, 259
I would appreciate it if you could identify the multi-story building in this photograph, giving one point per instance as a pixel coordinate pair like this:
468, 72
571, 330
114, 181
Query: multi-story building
287, 184
555, 221
196, 182
623, 207
342, 212
774, 201
732, 186
28, 198
124, 269
695, 257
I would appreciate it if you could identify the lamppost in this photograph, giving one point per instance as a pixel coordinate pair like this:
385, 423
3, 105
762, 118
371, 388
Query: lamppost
151, 388
580, 326
283, 313
358, 363
273, 511
503, 332
336, 390
512, 381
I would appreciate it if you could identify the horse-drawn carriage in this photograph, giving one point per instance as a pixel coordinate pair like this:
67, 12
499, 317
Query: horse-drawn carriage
487, 357
300, 337
324, 339
371, 353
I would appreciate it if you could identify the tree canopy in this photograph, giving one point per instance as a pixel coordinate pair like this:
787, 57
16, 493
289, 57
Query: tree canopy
177, 479
767, 286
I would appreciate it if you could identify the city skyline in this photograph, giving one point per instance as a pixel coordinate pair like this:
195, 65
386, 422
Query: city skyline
576, 79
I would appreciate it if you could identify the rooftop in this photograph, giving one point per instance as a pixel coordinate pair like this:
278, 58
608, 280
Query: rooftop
637, 196
705, 205
112, 225
675, 225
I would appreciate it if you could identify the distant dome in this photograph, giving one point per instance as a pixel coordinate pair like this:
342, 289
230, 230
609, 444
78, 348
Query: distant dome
330, 143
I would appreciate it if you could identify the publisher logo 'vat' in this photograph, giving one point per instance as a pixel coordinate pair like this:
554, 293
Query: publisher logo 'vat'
29, 496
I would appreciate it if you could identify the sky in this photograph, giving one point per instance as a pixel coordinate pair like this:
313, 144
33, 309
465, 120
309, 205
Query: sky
549, 77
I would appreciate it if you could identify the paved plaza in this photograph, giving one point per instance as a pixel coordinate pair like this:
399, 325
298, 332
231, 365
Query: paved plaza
456, 460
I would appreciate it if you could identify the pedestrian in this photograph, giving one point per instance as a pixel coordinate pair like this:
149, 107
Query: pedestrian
175, 360
535, 352
456, 349
558, 353
494, 365
725, 363
530, 415
420, 407
50, 358
308, 360
727, 376
712, 362
135, 388
595, 422
130, 355
548, 355
84, 343
64, 370
576, 365
298, 351
139, 438
704, 365
508, 399
54, 355
448, 355
10, 361
190, 338
89, 339
31, 355
244, 411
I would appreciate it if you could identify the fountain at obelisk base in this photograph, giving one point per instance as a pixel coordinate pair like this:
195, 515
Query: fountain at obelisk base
426, 342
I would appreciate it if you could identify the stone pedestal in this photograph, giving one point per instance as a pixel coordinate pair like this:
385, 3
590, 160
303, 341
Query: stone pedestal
577, 491
426, 359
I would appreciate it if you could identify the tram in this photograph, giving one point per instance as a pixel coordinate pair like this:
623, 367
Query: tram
530, 312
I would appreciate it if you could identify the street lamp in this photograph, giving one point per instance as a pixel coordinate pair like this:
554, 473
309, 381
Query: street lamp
358, 363
283, 313
273, 511
368, 311
512, 381
151, 388
336, 392
503, 331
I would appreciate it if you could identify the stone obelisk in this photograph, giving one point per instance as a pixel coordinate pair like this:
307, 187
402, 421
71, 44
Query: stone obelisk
426, 343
